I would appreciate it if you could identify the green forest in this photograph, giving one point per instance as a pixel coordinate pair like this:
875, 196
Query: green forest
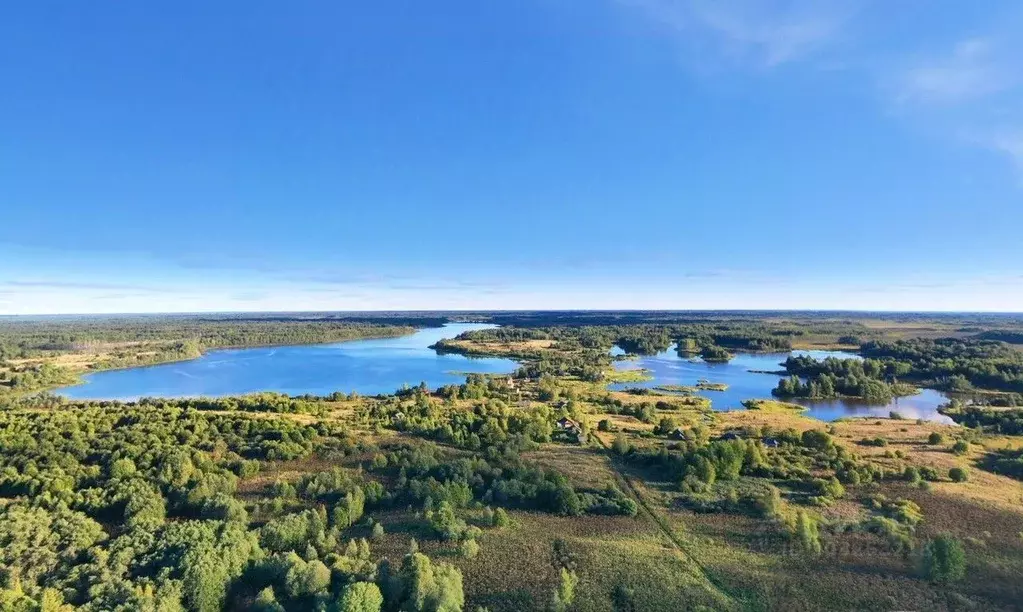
541, 491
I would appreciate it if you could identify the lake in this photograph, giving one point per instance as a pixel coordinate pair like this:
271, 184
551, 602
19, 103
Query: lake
369, 367
667, 368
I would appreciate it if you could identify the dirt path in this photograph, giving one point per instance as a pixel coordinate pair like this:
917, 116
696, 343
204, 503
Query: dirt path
662, 524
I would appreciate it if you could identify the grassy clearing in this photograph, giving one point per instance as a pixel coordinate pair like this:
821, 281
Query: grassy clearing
628, 376
766, 405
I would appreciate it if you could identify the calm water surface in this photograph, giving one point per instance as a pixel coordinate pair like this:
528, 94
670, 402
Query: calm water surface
369, 367
668, 368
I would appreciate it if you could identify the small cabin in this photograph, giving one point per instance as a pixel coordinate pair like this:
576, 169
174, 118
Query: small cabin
771, 442
677, 434
567, 424
731, 435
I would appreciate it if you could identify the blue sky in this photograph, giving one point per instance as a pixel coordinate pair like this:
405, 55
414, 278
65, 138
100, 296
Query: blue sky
196, 156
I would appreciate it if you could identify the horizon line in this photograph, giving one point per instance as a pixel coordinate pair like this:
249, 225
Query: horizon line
508, 310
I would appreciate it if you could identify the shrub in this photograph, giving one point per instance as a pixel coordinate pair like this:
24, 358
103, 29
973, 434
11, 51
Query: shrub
769, 504
935, 438
621, 445
361, 597
958, 474
565, 594
943, 560
961, 447
816, 439
808, 534
501, 518
469, 549
445, 523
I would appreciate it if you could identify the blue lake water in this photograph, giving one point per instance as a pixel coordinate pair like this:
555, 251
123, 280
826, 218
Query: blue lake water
668, 368
369, 367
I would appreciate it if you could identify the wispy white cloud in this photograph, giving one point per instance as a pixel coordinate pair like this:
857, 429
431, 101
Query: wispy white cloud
761, 33
976, 69
969, 87
1010, 143
973, 91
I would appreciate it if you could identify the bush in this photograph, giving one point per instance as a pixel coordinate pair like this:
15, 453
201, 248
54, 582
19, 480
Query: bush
565, 594
808, 534
469, 549
621, 445
361, 597
935, 438
943, 560
816, 439
958, 474
961, 447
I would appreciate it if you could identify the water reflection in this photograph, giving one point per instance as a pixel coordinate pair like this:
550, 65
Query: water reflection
369, 367
748, 376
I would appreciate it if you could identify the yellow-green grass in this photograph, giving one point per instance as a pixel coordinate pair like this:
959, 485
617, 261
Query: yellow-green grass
628, 376
766, 405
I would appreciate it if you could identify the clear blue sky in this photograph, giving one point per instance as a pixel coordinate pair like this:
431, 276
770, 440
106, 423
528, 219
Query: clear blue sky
241, 155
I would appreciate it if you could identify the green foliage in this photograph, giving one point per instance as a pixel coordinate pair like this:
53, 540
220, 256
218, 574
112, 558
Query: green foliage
959, 474
305, 579
1008, 462
565, 593
469, 549
959, 363
445, 523
292, 531
935, 438
817, 439
361, 597
266, 601
961, 447
421, 586
807, 534
832, 377
621, 445
943, 560
41, 544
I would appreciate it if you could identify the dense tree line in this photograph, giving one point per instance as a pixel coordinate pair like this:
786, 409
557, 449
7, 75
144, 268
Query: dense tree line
955, 364
869, 379
23, 338
1007, 462
1004, 420
128, 508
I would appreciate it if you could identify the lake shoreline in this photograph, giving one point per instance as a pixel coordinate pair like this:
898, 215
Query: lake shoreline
306, 369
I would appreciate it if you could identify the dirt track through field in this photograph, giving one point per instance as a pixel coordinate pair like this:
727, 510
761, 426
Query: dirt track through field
665, 528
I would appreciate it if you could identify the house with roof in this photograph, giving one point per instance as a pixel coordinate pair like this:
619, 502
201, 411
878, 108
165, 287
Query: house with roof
567, 424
